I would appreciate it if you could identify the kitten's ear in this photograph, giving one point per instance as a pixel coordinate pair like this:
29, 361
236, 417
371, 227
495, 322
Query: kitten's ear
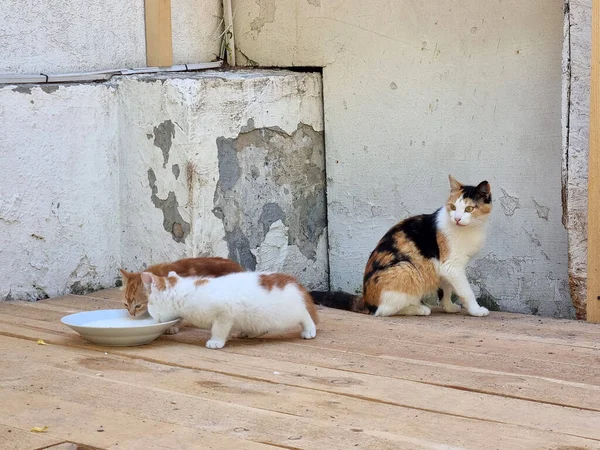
173, 274
484, 189
126, 276
147, 279
454, 185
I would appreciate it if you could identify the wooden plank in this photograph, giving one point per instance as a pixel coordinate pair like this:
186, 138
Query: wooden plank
261, 411
477, 380
343, 344
159, 45
420, 397
520, 358
12, 438
80, 422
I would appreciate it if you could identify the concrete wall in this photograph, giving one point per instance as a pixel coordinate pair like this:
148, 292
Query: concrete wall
146, 169
59, 178
414, 91
237, 172
576, 107
81, 35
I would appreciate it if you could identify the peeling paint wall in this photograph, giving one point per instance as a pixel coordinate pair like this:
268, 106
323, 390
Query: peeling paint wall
81, 35
59, 178
576, 107
413, 91
228, 164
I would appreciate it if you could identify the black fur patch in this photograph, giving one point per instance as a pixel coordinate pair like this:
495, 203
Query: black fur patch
371, 308
337, 299
422, 231
477, 194
387, 244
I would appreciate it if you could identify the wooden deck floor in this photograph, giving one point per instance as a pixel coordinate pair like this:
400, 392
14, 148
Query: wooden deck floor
443, 382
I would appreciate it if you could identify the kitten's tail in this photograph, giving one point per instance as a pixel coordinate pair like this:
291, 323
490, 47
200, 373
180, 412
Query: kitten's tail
341, 300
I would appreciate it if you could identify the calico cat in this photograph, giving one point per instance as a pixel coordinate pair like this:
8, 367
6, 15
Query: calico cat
136, 300
421, 254
250, 303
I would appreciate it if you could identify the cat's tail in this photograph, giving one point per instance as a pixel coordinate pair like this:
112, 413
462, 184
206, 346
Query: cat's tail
341, 300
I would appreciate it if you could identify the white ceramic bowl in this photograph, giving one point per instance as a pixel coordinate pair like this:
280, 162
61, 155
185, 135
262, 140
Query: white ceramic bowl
115, 327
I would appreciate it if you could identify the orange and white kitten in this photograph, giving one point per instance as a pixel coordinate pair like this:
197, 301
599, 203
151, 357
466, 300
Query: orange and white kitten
421, 254
249, 303
136, 299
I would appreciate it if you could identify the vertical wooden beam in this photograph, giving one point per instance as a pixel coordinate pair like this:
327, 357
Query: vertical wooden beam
593, 280
159, 39
229, 38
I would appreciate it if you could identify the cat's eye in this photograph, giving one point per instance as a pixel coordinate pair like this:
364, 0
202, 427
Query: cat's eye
126, 305
453, 207
138, 306
469, 209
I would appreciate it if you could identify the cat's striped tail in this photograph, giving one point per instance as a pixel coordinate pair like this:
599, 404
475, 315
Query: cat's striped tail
341, 300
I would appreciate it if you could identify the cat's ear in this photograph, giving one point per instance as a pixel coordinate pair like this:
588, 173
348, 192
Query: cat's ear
147, 279
126, 276
173, 274
454, 185
484, 189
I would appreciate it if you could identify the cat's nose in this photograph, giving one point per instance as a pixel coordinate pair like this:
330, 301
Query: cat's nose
457, 219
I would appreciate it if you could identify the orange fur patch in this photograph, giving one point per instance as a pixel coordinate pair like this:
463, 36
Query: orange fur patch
310, 305
454, 195
482, 209
160, 283
278, 280
172, 281
443, 245
199, 283
416, 278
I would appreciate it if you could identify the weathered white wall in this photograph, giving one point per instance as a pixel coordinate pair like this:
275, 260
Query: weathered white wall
80, 35
59, 178
414, 90
198, 178
147, 169
576, 107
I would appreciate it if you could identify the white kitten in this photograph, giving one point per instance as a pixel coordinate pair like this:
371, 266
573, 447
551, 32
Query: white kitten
250, 303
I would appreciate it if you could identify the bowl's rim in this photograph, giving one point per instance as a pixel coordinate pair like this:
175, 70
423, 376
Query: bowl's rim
145, 326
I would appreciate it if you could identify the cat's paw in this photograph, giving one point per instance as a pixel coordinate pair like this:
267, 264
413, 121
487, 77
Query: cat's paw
308, 334
215, 343
173, 330
424, 310
451, 308
479, 311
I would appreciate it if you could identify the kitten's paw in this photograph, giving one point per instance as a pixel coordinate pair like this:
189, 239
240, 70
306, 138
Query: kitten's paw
424, 310
308, 334
215, 343
480, 311
173, 330
451, 308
